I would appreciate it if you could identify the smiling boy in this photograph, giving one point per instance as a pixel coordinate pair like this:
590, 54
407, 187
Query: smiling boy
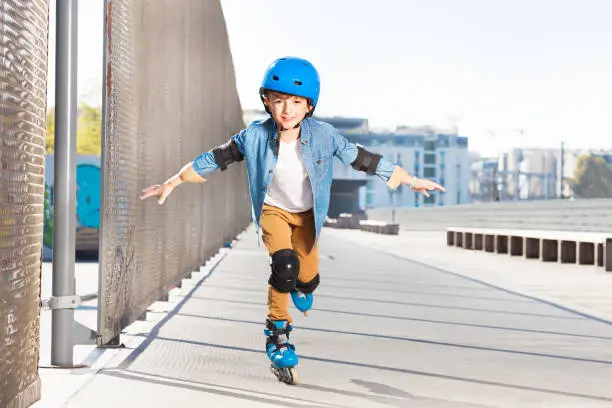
289, 160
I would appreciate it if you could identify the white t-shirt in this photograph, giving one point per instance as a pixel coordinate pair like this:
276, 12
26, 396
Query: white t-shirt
290, 187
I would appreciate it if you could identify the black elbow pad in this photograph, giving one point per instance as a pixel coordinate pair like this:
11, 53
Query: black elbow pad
366, 161
227, 154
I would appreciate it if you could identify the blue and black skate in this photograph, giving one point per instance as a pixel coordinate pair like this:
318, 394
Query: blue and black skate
302, 301
280, 351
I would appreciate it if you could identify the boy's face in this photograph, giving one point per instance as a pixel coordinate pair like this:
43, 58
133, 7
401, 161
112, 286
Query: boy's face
287, 110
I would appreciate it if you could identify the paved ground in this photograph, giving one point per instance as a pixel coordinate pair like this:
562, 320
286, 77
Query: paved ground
386, 331
584, 288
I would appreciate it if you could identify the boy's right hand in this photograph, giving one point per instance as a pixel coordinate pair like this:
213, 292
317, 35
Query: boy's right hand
160, 190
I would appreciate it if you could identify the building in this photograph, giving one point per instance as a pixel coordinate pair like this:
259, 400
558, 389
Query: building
482, 186
526, 174
438, 155
423, 152
519, 174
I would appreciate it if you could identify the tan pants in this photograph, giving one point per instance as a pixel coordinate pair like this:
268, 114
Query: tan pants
284, 230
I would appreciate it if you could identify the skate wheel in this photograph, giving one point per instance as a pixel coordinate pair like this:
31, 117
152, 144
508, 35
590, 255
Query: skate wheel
286, 375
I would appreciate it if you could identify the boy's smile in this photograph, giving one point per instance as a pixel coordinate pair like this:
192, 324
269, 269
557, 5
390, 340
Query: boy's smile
287, 110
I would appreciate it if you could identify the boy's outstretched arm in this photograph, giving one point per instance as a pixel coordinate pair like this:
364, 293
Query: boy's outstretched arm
217, 158
186, 175
375, 164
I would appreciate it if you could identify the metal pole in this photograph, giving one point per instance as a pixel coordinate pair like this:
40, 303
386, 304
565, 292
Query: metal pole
103, 161
64, 218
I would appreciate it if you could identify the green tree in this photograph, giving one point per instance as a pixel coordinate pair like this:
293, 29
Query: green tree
592, 178
50, 137
89, 130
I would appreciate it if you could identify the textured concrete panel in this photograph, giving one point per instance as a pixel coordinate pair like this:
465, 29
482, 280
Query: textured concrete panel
170, 96
24, 30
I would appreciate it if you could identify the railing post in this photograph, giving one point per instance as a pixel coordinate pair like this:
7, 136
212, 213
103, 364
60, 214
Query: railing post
64, 219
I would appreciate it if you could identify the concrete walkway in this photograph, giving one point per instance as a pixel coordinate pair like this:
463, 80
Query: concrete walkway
583, 288
385, 332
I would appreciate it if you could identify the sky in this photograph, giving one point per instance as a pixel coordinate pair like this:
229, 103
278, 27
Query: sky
524, 73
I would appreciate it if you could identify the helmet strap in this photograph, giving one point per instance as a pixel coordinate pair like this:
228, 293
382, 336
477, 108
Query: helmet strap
279, 130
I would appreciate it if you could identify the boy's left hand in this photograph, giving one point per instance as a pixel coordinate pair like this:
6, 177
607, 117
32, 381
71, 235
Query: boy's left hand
422, 186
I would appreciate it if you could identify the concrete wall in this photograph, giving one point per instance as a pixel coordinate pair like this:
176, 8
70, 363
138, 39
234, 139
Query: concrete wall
572, 215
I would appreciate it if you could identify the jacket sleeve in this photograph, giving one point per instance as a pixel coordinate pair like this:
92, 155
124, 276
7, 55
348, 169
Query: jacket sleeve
346, 151
206, 163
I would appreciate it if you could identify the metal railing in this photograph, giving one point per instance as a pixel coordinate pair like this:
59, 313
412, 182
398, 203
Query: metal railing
170, 95
23, 103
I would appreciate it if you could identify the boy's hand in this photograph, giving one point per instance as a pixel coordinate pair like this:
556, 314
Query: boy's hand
422, 186
400, 176
186, 175
160, 190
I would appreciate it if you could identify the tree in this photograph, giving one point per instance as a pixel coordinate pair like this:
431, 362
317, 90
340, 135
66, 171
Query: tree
50, 137
89, 130
592, 177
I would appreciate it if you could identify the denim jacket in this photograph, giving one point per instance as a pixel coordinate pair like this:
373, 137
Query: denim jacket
320, 142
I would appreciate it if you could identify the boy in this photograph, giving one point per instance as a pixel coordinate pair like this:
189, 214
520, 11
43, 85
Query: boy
289, 161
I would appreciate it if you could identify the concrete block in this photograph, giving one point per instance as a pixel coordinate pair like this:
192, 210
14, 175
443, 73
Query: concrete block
550, 250
586, 253
490, 243
608, 255
532, 248
501, 244
516, 246
468, 241
459, 239
478, 242
568, 252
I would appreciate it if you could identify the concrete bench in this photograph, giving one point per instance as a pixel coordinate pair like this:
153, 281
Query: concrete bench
584, 248
379, 227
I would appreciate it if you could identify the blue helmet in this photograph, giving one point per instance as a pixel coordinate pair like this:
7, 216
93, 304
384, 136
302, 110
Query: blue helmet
293, 76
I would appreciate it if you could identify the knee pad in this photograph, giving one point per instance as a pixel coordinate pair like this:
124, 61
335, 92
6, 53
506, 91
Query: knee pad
285, 269
308, 287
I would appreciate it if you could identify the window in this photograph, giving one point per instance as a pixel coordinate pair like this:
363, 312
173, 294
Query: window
430, 145
398, 161
429, 172
429, 158
429, 200
369, 194
353, 138
443, 140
